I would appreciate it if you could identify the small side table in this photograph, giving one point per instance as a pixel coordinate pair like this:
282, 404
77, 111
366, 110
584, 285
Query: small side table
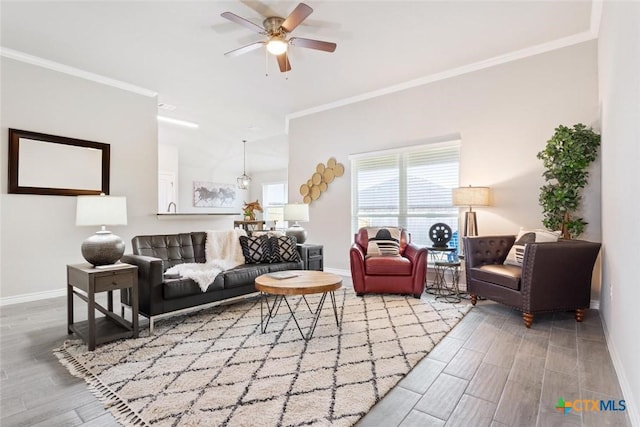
90, 280
312, 256
249, 226
443, 289
440, 253
437, 254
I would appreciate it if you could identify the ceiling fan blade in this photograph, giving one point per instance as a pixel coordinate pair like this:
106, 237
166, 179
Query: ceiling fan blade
244, 22
245, 49
283, 62
296, 17
313, 44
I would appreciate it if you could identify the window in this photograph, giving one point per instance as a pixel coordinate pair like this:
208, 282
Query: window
274, 197
409, 187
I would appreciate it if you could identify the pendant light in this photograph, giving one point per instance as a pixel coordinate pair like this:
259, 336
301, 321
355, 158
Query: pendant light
244, 180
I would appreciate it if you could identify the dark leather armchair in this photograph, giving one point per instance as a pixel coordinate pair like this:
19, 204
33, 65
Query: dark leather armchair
553, 277
398, 274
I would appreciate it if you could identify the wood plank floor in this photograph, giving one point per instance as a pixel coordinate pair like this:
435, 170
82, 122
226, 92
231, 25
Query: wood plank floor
492, 371
489, 371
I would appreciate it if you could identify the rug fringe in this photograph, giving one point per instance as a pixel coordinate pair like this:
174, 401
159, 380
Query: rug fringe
110, 399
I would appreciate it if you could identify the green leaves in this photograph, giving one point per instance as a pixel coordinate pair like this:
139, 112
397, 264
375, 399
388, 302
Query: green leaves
566, 157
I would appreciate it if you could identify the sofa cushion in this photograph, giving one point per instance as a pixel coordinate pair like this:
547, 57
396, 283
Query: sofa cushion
516, 253
243, 275
383, 241
172, 248
283, 249
182, 287
255, 249
498, 274
388, 266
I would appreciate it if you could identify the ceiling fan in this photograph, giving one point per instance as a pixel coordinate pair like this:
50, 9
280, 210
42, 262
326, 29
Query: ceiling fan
276, 29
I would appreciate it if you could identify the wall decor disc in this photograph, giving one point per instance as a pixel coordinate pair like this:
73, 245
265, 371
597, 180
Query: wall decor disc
323, 187
320, 168
316, 178
315, 192
331, 162
328, 175
338, 169
309, 183
304, 189
307, 199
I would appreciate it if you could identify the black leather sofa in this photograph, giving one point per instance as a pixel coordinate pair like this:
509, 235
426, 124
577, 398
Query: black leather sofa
161, 297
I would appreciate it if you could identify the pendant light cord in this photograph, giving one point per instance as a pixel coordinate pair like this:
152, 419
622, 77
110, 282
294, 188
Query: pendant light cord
244, 157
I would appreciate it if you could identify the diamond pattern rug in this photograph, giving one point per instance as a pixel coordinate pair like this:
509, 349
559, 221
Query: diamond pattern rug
215, 367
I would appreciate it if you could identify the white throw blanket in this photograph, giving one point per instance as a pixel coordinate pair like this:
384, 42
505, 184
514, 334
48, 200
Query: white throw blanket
222, 252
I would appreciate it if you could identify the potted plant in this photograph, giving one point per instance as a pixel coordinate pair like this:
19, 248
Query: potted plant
566, 157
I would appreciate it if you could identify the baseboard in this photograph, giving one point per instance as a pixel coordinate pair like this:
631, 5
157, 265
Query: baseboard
632, 408
34, 296
339, 272
595, 304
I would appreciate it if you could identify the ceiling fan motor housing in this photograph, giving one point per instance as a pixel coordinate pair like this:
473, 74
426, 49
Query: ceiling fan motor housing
273, 26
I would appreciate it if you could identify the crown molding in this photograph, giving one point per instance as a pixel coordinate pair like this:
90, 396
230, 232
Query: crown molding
454, 72
56, 66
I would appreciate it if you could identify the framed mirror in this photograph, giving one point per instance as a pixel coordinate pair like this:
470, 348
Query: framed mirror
56, 165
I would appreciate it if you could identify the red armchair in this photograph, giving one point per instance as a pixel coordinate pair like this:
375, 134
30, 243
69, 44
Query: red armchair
397, 274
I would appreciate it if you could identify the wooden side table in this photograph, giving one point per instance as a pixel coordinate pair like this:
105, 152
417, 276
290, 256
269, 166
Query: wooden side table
90, 280
249, 226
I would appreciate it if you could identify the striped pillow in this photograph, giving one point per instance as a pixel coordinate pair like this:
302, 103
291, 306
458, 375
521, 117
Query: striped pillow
383, 241
516, 253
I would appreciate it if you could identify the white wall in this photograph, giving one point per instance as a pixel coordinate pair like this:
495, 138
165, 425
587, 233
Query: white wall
504, 115
619, 72
38, 233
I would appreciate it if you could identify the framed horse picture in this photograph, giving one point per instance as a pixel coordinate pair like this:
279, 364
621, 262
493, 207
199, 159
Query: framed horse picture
213, 195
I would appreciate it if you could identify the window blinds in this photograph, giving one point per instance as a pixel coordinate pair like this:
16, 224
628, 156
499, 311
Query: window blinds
409, 187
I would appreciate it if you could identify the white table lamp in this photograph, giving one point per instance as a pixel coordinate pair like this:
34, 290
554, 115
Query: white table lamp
104, 247
296, 212
275, 214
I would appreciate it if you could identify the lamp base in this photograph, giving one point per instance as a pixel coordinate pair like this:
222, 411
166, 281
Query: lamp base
102, 248
298, 232
470, 224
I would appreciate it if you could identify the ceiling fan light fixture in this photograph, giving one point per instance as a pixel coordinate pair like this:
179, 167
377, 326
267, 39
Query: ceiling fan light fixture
277, 46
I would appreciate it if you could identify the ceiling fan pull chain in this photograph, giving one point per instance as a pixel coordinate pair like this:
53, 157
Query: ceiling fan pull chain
266, 63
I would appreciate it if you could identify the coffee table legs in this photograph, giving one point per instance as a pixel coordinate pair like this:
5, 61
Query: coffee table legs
273, 309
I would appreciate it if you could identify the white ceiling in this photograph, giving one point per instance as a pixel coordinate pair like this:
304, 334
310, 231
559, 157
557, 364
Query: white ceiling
176, 49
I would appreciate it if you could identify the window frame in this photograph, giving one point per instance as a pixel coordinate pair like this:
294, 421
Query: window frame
266, 206
404, 213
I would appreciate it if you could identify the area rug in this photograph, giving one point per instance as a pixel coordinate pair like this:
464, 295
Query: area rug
215, 367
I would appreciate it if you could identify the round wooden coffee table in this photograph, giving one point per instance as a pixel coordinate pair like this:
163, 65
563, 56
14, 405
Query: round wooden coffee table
296, 282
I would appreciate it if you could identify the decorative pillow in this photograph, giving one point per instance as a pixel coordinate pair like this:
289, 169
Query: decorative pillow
283, 249
516, 253
383, 241
255, 249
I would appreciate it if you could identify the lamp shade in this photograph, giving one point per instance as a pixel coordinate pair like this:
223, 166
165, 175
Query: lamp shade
275, 214
298, 212
471, 196
101, 210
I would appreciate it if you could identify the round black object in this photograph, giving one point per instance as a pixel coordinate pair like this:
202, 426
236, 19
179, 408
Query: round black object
440, 234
